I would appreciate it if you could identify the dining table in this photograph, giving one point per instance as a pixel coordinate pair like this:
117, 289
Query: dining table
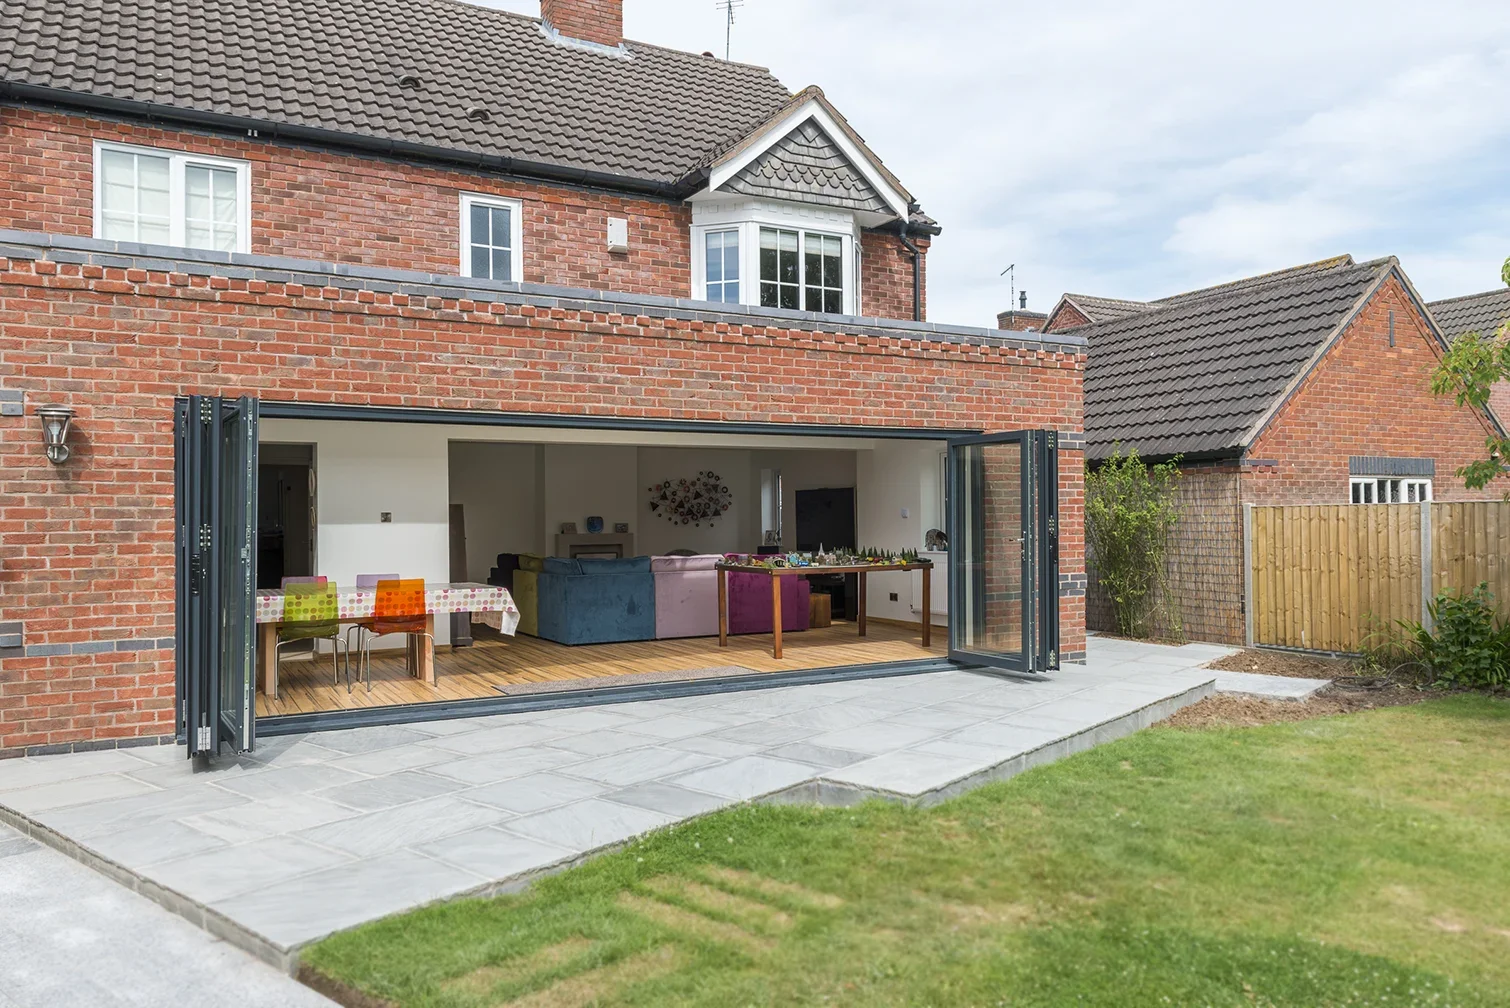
491, 605
777, 573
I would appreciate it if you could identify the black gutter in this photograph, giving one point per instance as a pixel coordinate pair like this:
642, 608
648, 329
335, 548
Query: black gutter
398, 149
288, 410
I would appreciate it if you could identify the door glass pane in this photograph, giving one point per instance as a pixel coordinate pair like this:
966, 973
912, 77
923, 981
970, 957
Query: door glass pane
988, 561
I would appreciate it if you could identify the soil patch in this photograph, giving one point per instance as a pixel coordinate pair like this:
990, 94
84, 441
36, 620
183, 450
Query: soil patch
1286, 663
1241, 711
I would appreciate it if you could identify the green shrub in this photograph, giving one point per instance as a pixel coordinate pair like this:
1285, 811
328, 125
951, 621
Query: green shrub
1129, 510
1467, 645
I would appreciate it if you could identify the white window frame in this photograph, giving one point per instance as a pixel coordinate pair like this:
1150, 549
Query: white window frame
516, 235
1368, 489
177, 213
748, 217
700, 253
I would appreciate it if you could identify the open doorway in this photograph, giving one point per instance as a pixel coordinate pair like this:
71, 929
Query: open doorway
285, 513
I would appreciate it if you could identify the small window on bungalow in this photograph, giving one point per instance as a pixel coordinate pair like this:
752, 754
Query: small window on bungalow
1390, 490
160, 197
491, 231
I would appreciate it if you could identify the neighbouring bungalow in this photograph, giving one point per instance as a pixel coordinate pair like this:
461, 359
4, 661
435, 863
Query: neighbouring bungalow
1308, 385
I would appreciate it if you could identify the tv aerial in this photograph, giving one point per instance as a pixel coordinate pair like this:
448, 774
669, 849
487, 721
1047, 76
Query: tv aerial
728, 7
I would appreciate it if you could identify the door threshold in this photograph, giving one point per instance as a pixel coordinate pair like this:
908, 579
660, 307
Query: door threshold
443, 710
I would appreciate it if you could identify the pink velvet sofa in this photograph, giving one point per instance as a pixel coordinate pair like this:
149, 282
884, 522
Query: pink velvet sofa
686, 595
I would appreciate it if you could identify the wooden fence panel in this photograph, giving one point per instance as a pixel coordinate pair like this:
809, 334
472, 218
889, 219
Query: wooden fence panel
1470, 543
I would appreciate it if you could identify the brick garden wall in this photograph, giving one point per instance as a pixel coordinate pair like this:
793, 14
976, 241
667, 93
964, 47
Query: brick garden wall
86, 558
346, 208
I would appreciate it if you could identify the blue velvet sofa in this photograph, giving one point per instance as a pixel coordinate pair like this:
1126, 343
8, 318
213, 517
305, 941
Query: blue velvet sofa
595, 601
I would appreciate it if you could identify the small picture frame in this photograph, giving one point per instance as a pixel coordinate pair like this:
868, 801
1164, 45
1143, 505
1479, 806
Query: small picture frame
568, 528
621, 528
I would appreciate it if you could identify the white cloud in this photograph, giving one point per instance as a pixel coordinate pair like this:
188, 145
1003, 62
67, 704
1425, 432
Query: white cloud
1140, 149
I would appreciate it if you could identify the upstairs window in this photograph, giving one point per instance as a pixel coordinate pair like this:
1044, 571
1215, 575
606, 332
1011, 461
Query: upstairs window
722, 266
490, 238
1390, 490
802, 270
167, 198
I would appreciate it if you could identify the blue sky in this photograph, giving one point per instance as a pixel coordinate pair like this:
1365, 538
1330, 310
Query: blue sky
1140, 149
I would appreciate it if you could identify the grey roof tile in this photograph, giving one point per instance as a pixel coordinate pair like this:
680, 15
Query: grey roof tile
1191, 374
1481, 313
655, 115
806, 164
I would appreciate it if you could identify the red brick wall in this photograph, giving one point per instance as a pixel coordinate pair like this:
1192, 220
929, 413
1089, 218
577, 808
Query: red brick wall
1366, 398
886, 276
600, 21
1067, 316
86, 549
1021, 320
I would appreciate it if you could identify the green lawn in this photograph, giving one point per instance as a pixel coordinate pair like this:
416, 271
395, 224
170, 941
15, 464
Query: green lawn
1358, 860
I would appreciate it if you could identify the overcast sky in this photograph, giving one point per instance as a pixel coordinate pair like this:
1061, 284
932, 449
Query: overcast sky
1141, 149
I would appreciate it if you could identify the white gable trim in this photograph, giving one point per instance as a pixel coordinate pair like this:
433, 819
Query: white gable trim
811, 109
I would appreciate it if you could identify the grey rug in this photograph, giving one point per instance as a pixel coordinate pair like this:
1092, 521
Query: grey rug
630, 679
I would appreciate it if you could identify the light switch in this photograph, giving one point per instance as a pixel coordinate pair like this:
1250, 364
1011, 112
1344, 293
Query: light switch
906, 513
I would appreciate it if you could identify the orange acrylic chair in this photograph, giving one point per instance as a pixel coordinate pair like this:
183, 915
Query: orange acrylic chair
399, 608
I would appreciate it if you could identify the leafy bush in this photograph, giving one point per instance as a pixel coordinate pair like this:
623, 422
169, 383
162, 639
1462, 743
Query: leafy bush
1129, 510
1467, 645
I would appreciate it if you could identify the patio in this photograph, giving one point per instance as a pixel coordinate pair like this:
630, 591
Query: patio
316, 833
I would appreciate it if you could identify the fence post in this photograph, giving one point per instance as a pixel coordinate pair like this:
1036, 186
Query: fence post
1248, 573
1427, 574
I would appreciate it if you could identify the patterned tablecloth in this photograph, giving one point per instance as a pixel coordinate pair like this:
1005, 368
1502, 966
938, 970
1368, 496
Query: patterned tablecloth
488, 604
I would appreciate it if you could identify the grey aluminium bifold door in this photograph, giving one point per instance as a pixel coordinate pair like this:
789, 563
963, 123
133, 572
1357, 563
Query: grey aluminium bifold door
215, 483
1004, 550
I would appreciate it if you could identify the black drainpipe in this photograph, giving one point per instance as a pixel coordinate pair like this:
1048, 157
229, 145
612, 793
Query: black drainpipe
917, 273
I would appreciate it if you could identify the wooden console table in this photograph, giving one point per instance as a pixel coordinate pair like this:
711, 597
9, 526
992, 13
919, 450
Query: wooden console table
777, 573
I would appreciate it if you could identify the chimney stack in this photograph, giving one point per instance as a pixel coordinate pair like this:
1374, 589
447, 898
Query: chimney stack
599, 21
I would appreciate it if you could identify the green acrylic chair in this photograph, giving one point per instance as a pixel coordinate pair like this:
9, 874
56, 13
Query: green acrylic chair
312, 611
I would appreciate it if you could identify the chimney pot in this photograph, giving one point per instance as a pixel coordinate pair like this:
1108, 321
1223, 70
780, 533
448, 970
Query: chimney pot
600, 21
1022, 301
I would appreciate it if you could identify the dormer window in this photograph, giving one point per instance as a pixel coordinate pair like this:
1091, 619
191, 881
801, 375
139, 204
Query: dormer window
773, 255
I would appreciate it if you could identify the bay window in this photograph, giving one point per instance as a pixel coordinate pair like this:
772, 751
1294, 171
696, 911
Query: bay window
159, 197
767, 254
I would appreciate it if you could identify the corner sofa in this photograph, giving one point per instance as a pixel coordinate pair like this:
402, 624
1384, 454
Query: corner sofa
585, 601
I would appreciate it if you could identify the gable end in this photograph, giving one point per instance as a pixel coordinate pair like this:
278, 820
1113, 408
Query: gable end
807, 166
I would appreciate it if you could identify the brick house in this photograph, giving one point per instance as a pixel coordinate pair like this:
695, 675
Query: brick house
1309, 385
1487, 314
431, 320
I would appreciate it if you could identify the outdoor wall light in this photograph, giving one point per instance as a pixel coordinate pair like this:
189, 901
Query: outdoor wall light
55, 421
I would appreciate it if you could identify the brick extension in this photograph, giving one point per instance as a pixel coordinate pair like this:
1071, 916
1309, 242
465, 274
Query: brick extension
87, 551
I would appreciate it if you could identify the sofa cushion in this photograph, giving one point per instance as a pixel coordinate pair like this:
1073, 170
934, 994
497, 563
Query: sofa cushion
705, 561
561, 565
531, 562
621, 565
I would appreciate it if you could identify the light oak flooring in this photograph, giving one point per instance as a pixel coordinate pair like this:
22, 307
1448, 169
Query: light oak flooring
495, 660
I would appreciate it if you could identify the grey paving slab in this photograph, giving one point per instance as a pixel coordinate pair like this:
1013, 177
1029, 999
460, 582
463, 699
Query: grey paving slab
639, 765
909, 773
765, 733
304, 778
674, 726
817, 756
229, 871
265, 817
590, 719
675, 801
144, 845
316, 904
29, 773
874, 738
746, 777
504, 765
834, 717
492, 853
589, 824
387, 761
535, 792
1268, 687
601, 743
374, 833
71, 937
63, 793
361, 740
389, 790
145, 809
500, 738
710, 746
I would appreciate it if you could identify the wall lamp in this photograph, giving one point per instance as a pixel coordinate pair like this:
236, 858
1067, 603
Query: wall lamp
55, 421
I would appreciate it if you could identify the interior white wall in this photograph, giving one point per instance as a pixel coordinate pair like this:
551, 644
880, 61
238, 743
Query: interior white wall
897, 500
732, 533
821, 469
582, 480
363, 470
496, 486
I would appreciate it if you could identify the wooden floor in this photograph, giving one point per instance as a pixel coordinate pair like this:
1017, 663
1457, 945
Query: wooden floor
495, 660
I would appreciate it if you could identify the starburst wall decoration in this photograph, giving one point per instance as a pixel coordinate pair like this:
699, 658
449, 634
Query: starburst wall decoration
698, 501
